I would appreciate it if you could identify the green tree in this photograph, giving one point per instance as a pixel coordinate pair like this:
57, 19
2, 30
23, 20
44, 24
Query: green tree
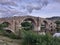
3, 25
58, 26
27, 25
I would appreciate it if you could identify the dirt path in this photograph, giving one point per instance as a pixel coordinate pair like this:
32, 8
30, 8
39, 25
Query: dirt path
8, 41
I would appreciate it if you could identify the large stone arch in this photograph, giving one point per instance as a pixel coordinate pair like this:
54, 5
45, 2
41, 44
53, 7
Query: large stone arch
6, 22
9, 26
44, 25
32, 20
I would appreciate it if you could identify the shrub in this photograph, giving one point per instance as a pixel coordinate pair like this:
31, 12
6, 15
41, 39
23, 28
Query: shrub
11, 35
31, 38
27, 25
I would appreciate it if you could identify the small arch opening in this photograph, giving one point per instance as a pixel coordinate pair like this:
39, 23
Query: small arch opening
9, 31
45, 22
43, 26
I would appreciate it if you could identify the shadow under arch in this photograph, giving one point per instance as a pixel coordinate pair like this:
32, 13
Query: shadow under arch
45, 22
8, 31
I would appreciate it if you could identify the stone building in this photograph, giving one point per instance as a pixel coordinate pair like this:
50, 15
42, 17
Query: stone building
40, 24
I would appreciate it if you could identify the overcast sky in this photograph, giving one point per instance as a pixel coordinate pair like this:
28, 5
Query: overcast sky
41, 8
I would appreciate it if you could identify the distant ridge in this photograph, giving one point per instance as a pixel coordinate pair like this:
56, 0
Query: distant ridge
54, 18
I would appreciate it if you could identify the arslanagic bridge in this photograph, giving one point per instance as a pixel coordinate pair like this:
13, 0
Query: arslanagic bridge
38, 23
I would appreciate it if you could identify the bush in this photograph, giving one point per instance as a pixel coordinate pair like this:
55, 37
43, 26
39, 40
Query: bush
27, 25
10, 35
3, 32
31, 38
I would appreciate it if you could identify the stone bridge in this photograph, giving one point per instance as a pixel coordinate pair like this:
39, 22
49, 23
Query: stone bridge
15, 23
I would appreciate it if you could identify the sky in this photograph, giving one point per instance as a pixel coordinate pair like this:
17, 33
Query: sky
39, 8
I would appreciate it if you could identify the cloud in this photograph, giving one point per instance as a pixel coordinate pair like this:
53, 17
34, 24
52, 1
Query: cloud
8, 2
13, 7
5, 11
7, 8
52, 7
35, 5
57, 1
32, 7
25, 7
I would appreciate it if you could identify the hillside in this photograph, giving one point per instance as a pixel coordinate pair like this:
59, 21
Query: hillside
54, 18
